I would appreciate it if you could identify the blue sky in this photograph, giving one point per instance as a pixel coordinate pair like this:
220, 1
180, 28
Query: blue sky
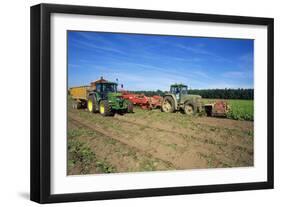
151, 62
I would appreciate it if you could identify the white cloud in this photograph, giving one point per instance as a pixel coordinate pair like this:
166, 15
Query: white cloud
237, 74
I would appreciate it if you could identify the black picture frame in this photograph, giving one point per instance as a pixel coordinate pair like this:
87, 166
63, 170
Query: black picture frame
41, 96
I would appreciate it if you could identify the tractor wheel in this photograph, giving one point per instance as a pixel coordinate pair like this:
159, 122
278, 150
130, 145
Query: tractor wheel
91, 104
168, 104
130, 108
189, 109
104, 108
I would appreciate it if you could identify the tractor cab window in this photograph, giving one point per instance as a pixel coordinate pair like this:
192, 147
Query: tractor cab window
179, 89
110, 88
98, 87
175, 90
184, 90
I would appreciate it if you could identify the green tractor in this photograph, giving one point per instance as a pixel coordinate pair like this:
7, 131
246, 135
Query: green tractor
107, 101
178, 99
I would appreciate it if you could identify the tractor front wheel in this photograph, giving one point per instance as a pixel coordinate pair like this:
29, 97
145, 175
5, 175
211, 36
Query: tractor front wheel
91, 105
188, 109
104, 108
168, 104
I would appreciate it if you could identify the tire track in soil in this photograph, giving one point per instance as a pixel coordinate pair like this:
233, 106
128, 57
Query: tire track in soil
232, 147
160, 145
212, 137
183, 151
164, 164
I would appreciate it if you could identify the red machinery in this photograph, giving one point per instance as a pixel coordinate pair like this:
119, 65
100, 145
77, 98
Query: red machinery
143, 101
217, 108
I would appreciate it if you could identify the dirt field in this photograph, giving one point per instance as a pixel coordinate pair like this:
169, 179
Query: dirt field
153, 140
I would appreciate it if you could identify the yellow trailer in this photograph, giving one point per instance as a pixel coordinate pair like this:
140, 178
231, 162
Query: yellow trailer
80, 95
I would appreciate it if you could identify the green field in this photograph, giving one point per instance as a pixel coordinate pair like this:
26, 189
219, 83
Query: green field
240, 109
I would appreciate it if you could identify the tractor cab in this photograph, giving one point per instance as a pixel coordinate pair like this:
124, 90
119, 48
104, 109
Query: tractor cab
108, 87
105, 98
179, 99
105, 88
178, 90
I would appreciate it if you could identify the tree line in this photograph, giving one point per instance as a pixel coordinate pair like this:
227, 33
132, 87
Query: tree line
239, 93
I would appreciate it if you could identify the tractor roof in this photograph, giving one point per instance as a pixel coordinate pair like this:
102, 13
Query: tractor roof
108, 83
178, 85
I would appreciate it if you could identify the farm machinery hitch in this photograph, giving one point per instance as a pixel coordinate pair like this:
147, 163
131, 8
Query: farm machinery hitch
145, 102
215, 109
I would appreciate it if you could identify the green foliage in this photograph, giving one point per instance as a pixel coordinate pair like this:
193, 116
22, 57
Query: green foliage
104, 167
150, 93
241, 110
246, 94
80, 153
240, 93
81, 156
74, 133
148, 165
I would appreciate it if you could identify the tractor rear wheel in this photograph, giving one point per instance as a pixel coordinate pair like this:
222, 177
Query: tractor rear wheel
168, 104
104, 108
188, 109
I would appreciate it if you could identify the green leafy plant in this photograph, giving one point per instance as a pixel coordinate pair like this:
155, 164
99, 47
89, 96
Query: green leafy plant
104, 167
80, 153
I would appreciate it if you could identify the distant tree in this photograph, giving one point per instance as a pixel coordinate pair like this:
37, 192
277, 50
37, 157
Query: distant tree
226, 93
239, 93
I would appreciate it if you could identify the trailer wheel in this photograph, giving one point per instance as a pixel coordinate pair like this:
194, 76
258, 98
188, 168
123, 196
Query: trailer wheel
188, 109
76, 105
104, 108
168, 104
